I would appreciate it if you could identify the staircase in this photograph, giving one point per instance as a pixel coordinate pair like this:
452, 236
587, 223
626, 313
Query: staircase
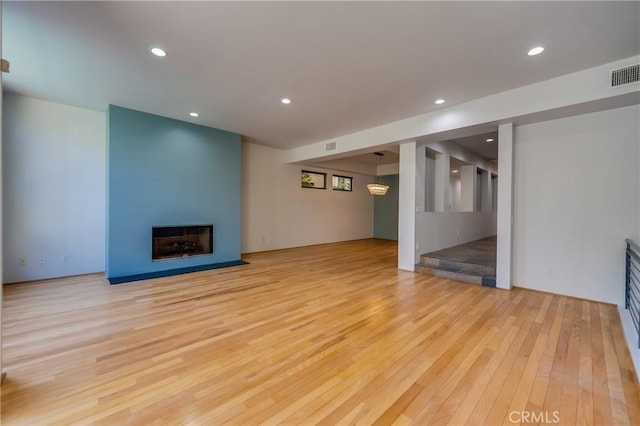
473, 262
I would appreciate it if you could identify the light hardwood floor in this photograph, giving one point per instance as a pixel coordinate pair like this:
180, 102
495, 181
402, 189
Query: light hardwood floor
330, 334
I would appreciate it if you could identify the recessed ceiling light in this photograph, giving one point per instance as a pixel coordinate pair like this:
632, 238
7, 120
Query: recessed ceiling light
286, 101
454, 171
490, 140
536, 51
439, 101
194, 114
158, 52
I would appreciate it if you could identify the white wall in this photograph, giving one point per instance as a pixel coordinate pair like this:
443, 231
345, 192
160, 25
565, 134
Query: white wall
438, 230
278, 213
54, 189
468, 186
454, 193
442, 183
627, 322
576, 199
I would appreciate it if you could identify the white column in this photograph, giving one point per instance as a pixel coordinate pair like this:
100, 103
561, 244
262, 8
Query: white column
430, 185
407, 207
421, 177
505, 205
494, 193
442, 182
468, 176
486, 191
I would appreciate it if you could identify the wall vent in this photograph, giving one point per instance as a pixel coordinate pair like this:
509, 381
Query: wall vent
626, 75
331, 146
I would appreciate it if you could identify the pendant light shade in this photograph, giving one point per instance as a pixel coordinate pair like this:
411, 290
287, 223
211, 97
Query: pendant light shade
377, 188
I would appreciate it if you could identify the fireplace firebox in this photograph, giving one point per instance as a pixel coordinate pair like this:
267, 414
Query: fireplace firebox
170, 242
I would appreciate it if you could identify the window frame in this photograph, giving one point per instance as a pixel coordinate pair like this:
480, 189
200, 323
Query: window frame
343, 177
324, 179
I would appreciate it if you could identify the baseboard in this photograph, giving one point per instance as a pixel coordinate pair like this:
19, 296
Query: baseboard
312, 245
171, 272
563, 295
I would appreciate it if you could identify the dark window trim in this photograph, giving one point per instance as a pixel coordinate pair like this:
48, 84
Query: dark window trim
315, 173
344, 177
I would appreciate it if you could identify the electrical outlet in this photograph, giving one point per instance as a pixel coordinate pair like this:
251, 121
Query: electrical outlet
547, 271
65, 258
23, 261
417, 246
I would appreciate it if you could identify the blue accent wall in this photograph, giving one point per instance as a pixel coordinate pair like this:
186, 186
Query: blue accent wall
163, 172
385, 210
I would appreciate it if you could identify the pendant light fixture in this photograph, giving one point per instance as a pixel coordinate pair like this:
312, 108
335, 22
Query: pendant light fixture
377, 188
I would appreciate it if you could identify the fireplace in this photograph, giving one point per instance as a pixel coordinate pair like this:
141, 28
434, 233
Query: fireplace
171, 242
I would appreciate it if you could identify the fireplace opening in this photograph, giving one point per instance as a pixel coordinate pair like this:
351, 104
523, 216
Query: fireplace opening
170, 242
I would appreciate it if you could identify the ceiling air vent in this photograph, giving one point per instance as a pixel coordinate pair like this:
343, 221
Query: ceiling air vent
626, 75
331, 146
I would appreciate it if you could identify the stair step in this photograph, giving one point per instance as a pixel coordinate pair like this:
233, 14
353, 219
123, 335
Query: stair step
488, 279
453, 265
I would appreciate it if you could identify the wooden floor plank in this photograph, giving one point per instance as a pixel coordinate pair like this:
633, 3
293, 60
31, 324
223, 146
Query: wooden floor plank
601, 396
619, 411
584, 412
460, 360
523, 390
490, 397
569, 398
627, 371
328, 334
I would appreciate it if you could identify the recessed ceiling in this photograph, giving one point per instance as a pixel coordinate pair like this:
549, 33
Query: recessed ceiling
456, 164
389, 157
347, 66
478, 145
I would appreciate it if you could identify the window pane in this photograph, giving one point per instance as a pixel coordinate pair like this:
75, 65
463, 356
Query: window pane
341, 183
313, 180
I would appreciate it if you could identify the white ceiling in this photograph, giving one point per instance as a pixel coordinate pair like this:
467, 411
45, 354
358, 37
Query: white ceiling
456, 164
478, 144
389, 157
347, 66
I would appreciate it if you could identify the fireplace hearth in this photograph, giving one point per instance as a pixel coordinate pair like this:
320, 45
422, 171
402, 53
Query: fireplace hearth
171, 242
